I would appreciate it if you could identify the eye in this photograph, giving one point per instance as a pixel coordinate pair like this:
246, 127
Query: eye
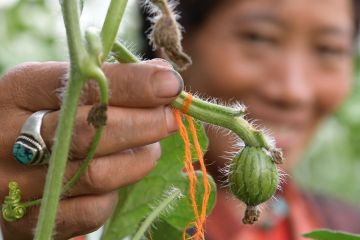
331, 51
257, 38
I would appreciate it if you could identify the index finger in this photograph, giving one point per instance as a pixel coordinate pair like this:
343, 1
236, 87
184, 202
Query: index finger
36, 86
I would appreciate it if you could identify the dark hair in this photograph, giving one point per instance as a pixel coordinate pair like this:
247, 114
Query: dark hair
195, 12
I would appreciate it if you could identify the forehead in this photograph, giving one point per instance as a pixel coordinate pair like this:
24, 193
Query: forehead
336, 12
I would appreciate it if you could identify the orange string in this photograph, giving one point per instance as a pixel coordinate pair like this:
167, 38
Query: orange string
188, 165
207, 187
187, 103
199, 218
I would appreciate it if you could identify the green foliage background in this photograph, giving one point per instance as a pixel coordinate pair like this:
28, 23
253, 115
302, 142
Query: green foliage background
31, 30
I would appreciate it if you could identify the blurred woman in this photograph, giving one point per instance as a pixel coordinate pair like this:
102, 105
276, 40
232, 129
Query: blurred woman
291, 63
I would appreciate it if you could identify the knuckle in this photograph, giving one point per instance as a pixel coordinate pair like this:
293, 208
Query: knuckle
160, 121
150, 154
93, 177
90, 93
23, 69
83, 134
154, 151
94, 213
15, 79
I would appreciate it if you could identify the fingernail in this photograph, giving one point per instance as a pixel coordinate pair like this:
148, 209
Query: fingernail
167, 83
171, 123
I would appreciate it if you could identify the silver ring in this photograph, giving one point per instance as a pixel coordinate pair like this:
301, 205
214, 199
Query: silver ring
30, 148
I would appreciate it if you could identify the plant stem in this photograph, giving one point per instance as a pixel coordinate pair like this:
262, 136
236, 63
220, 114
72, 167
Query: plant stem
32, 203
207, 112
218, 115
122, 54
74, 179
111, 24
175, 194
99, 76
63, 135
58, 158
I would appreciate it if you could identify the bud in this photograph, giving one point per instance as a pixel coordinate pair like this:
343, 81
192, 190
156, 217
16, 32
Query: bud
253, 179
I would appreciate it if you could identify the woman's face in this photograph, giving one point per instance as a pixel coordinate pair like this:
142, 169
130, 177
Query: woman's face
290, 62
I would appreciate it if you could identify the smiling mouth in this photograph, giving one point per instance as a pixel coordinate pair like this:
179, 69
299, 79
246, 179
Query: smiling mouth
288, 128
286, 135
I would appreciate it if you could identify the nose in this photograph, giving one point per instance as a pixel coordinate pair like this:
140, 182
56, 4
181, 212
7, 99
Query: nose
289, 84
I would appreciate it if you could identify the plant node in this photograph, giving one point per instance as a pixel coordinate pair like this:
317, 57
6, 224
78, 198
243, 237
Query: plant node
97, 115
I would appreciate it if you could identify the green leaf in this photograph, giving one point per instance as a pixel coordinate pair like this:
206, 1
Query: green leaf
183, 214
325, 234
164, 231
135, 201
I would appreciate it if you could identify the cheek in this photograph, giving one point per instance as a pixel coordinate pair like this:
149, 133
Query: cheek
222, 71
331, 94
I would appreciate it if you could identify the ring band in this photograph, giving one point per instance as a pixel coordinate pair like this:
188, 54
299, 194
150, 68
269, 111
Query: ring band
29, 147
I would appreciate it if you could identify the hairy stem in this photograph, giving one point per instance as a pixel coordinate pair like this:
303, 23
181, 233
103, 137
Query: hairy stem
122, 54
111, 24
85, 163
174, 194
58, 158
207, 112
104, 99
98, 75
220, 116
63, 135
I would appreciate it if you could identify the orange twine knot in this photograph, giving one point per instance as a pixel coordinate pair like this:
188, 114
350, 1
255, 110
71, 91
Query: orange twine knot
189, 168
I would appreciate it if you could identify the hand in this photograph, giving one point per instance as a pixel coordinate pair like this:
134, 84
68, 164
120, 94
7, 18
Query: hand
138, 117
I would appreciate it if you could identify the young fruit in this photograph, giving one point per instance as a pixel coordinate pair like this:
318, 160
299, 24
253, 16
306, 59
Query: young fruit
253, 179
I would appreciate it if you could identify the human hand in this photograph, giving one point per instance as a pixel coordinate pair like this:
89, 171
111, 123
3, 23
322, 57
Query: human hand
138, 117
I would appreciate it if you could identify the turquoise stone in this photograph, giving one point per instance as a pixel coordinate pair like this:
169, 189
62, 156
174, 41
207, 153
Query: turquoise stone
23, 154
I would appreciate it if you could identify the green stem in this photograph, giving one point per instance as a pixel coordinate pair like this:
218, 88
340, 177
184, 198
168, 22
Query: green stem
219, 115
32, 203
111, 25
63, 135
74, 179
71, 20
122, 54
207, 112
175, 194
59, 157
99, 76
86, 162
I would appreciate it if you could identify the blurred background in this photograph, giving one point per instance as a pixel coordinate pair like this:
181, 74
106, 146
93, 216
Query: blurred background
32, 30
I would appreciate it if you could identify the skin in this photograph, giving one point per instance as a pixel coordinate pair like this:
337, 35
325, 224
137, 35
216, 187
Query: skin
137, 119
290, 62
